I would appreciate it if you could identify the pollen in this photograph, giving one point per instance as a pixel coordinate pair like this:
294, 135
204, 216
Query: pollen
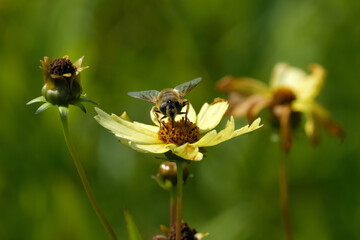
61, 66
179, 133
283, 96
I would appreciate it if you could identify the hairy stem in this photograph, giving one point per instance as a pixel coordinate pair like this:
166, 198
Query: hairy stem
84, 180
284, 195
179, 166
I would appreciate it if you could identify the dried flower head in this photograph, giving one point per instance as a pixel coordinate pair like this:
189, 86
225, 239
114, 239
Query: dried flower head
186, 233
62, 85
182, 140
291, 94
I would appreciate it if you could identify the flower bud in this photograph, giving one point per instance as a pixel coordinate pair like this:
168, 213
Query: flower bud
61, 80
168, 172
61, 85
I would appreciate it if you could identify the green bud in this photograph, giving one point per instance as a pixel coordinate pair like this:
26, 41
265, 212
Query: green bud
61, 80
62, 85
168, 172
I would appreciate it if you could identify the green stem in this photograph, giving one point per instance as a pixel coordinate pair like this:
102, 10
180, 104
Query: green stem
84, 180
284, 195
179, 166
172, 208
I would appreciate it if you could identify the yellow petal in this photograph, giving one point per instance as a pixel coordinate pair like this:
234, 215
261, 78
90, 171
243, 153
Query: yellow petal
66, 75
47, 60
254, 125
199, 236
210, 115
312, 84
78, 62
301, 106
143, 129
126, 130
285, 75
305, 86
152, 128
317, 115
207, 139
307, 108
186, 151
45, 64
125, 117
149, 148
212, 138
222, 136
79, 70
56, 76
153, 117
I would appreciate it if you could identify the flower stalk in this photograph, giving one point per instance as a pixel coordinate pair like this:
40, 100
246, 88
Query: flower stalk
172, 208
84, 179
284, 195
179, 165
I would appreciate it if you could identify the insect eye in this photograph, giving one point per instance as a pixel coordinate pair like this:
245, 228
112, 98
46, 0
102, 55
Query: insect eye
178, 106
163, 108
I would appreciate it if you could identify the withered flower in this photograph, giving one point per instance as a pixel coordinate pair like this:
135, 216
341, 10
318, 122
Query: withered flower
186, 233
290, 95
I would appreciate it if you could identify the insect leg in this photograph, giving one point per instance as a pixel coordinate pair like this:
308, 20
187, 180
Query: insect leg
186, 103
156, 114
165, 125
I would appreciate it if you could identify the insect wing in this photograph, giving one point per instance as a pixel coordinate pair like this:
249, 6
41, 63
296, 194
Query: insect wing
149, 95
184, 88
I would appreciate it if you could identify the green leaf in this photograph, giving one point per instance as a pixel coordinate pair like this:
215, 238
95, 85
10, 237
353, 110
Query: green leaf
80, 105
166, 185
87, 100
64, 110
43, 107
35, 100
133, 231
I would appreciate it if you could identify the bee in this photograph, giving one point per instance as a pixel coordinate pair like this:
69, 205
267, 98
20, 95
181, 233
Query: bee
169, 102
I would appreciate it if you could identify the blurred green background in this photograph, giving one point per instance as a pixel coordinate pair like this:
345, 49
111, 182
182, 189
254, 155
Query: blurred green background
139, 45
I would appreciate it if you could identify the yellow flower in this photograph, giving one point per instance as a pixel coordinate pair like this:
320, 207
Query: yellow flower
291, 92
183, 141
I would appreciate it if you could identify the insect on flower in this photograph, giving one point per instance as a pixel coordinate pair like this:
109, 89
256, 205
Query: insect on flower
169, 102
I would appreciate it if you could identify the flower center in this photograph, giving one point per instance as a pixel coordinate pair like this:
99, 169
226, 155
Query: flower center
283, 96
179, 133
61, 66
